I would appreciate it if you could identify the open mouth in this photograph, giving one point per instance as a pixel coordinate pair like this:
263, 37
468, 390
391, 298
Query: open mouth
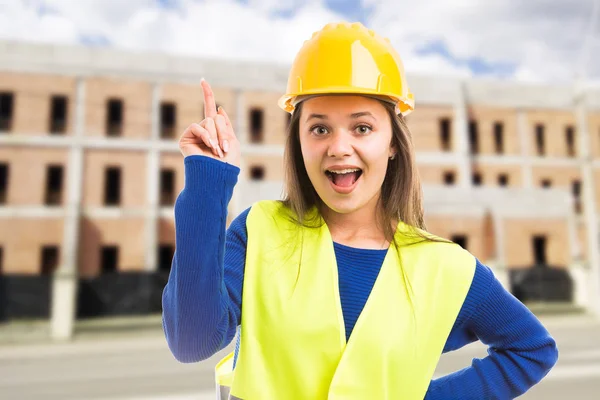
344, 178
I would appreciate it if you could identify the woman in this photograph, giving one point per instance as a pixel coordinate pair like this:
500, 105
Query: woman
345, 294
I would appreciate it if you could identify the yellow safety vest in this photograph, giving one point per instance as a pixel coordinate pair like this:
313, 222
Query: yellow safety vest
293, 342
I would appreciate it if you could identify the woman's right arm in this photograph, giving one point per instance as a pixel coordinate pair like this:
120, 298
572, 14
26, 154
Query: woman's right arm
202, 299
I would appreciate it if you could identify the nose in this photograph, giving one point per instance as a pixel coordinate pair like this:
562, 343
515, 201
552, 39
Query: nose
339, 145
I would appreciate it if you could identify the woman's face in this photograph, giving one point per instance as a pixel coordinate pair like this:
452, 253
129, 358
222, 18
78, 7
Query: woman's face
346, 145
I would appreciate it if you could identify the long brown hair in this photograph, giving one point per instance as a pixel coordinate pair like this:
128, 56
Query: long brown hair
401, 196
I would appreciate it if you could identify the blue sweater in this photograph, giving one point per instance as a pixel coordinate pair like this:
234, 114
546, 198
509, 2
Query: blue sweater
203, 298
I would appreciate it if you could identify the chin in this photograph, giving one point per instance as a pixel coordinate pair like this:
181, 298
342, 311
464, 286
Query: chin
342, 206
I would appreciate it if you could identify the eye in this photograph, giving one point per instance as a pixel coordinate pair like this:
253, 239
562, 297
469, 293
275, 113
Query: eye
318, 130
363, 129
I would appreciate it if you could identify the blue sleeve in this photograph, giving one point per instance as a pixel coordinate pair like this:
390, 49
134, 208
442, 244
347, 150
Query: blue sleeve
520, 350
202, 298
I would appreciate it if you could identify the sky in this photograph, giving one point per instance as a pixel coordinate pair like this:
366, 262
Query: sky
538, 41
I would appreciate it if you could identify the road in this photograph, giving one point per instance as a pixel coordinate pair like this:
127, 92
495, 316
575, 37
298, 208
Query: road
141, 367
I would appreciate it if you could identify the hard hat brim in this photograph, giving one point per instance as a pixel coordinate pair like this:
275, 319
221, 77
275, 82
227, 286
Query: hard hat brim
404, 106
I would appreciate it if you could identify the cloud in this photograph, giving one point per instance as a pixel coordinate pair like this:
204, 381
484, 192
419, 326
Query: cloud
538, 40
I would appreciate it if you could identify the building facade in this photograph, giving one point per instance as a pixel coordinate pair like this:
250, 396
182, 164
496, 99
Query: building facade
90, 167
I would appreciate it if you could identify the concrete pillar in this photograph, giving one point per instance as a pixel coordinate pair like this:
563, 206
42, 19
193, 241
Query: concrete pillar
64, 280
500, 268
589, 202
241, 131
152, 184
461, 133
522, 131
241, 120
581, 285
577, 270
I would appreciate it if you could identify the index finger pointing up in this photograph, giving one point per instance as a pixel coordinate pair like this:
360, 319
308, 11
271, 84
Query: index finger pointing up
210, 107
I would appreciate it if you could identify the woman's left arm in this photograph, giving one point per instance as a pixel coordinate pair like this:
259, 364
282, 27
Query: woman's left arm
520, 350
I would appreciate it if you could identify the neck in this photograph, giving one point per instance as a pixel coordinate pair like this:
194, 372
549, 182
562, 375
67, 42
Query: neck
359, 228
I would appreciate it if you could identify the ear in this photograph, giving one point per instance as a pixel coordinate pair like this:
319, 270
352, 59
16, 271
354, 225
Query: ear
392, 152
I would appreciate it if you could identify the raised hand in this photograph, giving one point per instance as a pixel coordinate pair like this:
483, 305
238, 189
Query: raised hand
214, 136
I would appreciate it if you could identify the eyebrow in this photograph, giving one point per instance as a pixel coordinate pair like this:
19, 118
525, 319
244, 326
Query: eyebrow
354, 115
361, 114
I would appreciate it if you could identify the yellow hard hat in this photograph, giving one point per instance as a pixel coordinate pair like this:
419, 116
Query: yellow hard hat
348, 58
